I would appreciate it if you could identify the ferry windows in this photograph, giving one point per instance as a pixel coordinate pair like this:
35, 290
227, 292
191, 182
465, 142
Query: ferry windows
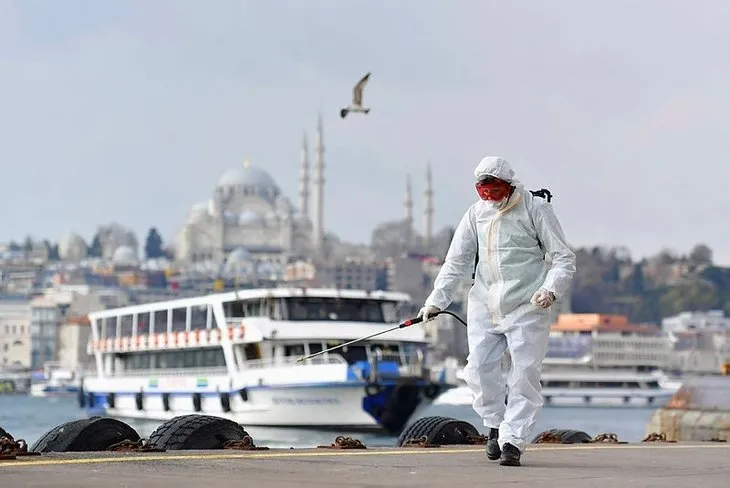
244, 308
341, 309
171, 360
294, 350
111, 327
125, 326
252, 351
213, 322
390, 311
354, 354
143, 323
161, 321
210, 357
389, 352
189, 359
198, 317
179, 316
315, 347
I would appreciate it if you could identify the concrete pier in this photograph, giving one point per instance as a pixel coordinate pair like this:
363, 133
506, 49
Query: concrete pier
699, 411
644, 465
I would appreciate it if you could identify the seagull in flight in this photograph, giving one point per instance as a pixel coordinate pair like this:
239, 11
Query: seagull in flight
356, 99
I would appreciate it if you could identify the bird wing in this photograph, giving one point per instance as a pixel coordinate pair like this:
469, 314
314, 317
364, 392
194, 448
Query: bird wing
357, 91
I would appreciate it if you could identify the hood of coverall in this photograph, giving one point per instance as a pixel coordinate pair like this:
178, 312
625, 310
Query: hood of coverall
498, 168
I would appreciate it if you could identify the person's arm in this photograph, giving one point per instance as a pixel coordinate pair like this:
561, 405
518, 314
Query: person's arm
550, 233
458, 262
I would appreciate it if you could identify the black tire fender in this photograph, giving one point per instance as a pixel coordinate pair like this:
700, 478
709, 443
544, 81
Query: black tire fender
84, 435
166, 401
139, 400
195, 431
439, 431
81, 397
225, 401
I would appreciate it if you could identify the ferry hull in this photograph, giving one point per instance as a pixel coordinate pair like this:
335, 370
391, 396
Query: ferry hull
584, 397
347, 405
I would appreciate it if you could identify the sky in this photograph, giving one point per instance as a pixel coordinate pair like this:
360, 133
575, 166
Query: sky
130, 111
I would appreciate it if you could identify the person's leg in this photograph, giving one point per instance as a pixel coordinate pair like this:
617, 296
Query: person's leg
484, 375
527, 341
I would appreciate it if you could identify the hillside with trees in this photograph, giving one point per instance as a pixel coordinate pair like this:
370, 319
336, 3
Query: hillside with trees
609, 281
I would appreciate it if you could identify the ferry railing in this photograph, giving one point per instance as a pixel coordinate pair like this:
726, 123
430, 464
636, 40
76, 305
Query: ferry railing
211, 371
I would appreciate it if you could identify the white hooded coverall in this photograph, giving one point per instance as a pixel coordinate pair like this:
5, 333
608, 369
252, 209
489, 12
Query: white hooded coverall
511, 269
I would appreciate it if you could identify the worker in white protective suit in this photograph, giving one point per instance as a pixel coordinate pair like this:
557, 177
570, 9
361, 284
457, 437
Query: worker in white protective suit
509, 305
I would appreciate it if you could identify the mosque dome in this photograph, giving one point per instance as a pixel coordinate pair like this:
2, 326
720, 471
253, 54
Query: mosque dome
199, 212
124, 256
239, 255
247, 175
239, 260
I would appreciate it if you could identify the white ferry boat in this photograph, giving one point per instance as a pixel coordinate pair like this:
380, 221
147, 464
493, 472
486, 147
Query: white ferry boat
234, 355
596, 388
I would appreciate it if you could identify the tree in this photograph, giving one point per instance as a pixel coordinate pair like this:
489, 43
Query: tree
153, 245
701, 254
52, 250
637, 280
95, 250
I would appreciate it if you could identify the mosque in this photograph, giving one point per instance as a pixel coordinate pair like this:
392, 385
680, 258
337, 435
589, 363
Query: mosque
249, 219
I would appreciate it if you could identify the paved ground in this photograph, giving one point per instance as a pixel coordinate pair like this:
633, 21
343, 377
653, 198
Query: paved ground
703, 465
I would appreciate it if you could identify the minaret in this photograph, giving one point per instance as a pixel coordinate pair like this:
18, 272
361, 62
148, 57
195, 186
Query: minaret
408, 202
428, 209
304, 180
318, 207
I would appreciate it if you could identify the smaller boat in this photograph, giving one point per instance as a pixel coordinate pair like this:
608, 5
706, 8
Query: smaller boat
54, 381
603, 388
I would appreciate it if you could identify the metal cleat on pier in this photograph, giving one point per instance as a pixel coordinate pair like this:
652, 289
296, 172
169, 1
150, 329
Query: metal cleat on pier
245, 444
141, 445
657, 437
342, 442
10, 448
419, 442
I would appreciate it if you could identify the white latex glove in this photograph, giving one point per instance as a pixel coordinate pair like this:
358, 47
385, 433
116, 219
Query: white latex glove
427, 312
543, 298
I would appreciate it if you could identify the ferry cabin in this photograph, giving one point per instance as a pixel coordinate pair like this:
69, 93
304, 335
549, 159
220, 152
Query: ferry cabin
237, 345
185, 334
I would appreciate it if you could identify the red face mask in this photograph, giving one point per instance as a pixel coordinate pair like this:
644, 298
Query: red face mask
493, 189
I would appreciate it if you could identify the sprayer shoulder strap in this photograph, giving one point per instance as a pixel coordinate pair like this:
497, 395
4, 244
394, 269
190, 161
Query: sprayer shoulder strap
543, 193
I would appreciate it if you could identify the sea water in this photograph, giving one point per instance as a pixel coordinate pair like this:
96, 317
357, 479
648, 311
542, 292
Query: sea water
28, 418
